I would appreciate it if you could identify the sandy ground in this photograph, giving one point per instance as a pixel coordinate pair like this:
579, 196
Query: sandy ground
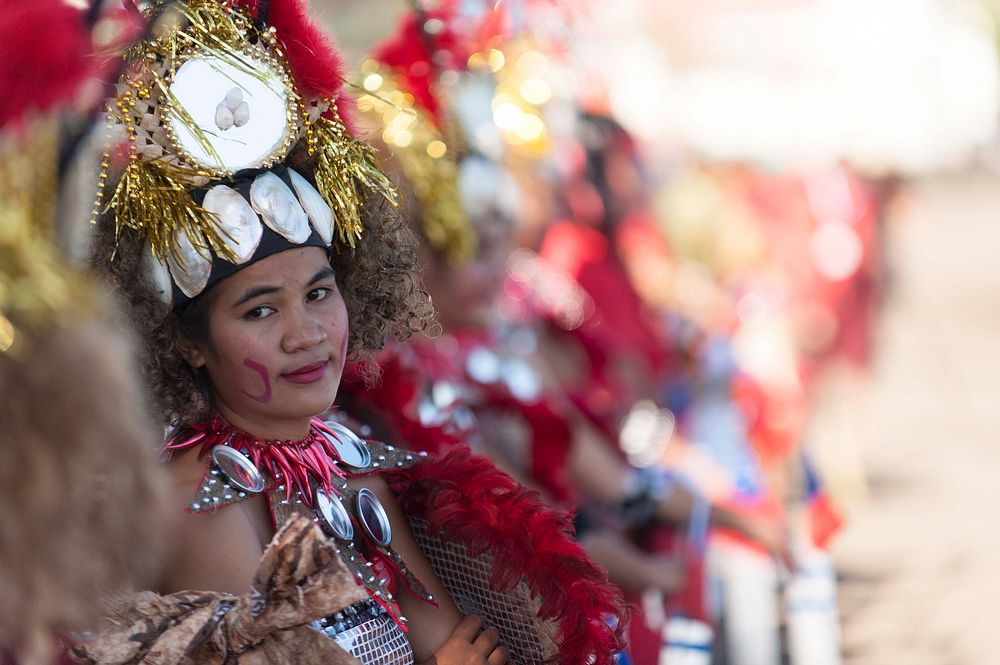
916, 445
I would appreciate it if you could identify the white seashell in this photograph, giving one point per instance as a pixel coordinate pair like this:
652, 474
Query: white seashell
234, 98
315, 205
241, 115
191, 273
223, 117
159, 276
277, 206
237, 219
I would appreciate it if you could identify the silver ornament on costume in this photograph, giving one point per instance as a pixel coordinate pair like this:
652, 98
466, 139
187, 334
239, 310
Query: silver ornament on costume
241, 227
351, 450
238, 468
483, 365
645, 433
373, 517
159, 276
521, 379
191, 269
444, 394
429, 413
333, 515
317, 209
278, 207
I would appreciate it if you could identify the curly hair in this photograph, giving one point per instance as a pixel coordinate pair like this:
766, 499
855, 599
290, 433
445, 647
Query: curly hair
378, 279
81, 508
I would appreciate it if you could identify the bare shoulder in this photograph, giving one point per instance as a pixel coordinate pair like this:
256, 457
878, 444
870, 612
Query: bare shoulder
186, 472
211, 551
373, 482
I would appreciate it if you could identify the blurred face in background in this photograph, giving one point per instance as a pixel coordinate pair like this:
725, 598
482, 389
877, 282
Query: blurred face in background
465, 295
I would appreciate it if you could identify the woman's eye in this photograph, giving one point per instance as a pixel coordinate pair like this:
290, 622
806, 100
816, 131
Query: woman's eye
318, 294
258, 312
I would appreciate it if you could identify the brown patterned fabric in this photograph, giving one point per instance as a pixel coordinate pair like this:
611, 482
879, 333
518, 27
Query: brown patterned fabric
300, 579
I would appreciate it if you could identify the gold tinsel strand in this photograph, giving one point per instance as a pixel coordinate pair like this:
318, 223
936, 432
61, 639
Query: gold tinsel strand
345, 166
433, 178
37, 286
151, 201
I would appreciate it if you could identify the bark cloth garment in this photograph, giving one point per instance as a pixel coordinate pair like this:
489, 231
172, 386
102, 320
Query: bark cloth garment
300, 579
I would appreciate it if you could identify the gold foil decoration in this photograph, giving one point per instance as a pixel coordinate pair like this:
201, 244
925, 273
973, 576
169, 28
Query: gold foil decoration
149, 199
36, 285
344, 168
524, 88
427, 160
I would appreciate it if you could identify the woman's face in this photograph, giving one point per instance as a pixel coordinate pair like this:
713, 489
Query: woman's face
277, 340
465, 296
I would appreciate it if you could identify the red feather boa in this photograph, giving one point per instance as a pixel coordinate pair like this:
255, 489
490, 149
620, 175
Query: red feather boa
468, 500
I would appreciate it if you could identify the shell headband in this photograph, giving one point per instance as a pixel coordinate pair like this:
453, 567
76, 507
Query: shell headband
213, 107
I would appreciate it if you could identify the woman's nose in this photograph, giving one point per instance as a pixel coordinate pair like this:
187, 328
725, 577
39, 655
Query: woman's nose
304, 331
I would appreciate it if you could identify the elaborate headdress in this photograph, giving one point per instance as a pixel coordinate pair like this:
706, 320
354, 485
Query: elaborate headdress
224, 108
36, 284
69, 414
411, 79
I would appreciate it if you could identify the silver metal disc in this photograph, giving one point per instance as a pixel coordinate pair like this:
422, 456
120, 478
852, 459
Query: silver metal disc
238, 468
350, 448
483, 365
521, 379
333, 515
373, 517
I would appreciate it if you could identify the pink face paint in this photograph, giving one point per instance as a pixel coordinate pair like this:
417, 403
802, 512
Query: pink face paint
260, 369
343, 348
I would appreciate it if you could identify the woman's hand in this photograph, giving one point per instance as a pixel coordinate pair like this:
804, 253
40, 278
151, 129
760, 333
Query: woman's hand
468, 646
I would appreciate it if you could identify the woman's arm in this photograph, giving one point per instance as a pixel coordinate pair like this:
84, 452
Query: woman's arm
441, 635
631, 568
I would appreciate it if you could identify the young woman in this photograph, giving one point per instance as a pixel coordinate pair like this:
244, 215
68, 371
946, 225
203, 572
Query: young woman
269, 343
248, 314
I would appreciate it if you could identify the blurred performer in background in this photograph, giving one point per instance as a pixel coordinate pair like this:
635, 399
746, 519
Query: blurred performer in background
80, 487
627, 353
484, 381
464, 207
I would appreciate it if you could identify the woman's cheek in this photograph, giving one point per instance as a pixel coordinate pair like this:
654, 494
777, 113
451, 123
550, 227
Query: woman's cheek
262, 377
342, 354
249, 369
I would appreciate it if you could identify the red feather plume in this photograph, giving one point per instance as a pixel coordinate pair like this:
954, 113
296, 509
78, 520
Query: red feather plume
417, 57
46, 54
408, 53
468, 500
316, 65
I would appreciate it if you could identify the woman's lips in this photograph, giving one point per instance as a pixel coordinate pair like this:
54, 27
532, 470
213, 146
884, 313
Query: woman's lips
307, 373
